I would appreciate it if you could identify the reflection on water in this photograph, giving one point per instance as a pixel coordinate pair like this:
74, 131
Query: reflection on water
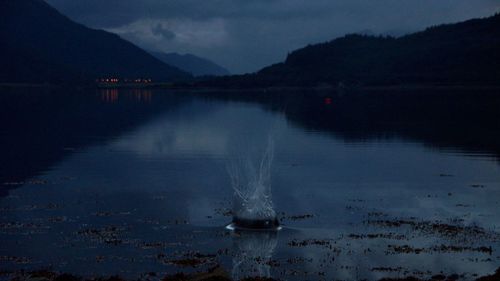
140, 95
253, 252
109, 95
134, 181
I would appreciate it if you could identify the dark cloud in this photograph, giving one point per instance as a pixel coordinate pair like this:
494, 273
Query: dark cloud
245, 35
159, 30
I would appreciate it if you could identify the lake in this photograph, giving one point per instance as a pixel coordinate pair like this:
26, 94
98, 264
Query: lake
135, 183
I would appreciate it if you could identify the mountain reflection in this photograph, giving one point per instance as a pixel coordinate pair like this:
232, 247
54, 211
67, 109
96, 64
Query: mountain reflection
40, 127
461, 121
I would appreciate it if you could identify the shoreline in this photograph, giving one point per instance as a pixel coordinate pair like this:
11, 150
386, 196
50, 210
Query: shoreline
254, 89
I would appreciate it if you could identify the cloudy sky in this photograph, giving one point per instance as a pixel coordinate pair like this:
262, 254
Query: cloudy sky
245, 35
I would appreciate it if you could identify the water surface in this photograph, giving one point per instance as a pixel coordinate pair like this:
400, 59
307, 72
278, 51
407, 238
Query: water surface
131, 182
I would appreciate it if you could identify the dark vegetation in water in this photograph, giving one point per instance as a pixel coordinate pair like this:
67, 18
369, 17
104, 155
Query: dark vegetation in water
453, 277
62, 121
439, 228
465, 53
493, 277
213, 274
397, 237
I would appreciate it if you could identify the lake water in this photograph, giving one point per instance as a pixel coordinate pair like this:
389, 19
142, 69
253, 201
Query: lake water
135, 182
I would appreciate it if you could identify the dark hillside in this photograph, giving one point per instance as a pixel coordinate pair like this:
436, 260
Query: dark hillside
466, 53
39, 45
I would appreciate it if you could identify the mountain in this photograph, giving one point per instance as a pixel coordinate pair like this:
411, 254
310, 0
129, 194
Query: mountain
192, 64
39, 44
466, 53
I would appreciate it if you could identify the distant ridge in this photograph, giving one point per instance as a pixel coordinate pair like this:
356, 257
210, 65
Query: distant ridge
195, 65
466, 53
39, 44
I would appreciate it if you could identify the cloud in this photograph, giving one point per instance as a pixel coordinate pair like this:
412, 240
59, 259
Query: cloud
160, 30
247, 35
165, 35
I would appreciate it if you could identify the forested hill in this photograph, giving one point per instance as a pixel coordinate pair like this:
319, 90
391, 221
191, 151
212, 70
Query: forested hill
466, 53
41, 45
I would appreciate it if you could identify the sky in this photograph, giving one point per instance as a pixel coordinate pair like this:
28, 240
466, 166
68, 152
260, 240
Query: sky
246, 35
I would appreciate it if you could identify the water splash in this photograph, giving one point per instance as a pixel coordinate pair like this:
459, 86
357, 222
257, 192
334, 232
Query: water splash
251, 182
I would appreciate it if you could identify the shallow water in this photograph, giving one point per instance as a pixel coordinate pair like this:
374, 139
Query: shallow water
132, 182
